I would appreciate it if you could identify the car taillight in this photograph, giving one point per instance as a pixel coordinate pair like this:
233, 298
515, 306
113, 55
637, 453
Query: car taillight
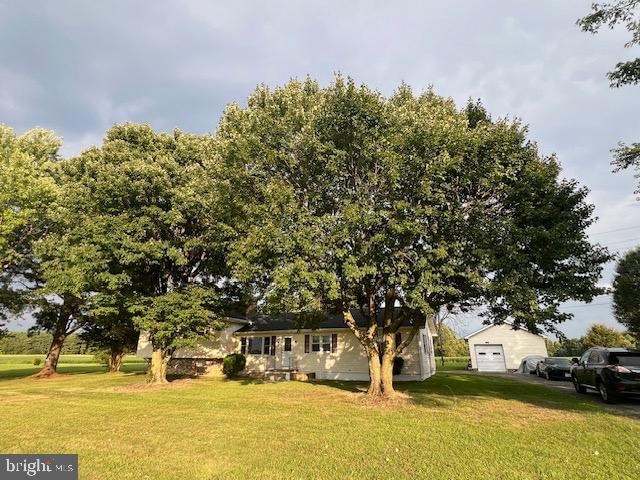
618, 369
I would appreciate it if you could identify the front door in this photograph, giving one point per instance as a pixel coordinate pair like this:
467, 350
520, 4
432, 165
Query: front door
286, 352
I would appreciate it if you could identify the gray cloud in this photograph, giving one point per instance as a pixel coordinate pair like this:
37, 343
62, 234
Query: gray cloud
78, 67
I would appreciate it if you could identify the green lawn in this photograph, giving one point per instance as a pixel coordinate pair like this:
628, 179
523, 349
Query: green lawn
452, 426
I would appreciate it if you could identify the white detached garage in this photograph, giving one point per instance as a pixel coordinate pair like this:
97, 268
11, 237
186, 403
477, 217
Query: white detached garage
498, 348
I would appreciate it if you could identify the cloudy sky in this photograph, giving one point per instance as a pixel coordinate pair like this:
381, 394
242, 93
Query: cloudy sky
78, 67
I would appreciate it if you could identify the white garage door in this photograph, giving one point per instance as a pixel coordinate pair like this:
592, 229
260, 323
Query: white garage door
490, 358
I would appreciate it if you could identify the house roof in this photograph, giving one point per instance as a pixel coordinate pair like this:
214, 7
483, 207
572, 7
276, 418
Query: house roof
486, 327
292, 321
236, 319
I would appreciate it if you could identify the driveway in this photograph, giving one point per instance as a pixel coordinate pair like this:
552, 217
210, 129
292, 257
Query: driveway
629, 407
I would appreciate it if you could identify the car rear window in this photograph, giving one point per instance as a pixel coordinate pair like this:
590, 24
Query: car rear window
626, 360
559, 361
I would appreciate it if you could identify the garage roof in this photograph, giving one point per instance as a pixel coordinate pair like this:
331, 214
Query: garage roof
486, 327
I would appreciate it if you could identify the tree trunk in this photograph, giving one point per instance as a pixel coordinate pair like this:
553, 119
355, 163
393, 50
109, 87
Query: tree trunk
369, 341
53, 356
375, 383
386, 369
115, 360
158, 368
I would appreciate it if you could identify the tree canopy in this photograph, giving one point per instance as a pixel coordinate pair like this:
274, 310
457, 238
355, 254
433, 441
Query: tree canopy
308, 200
626, 292
626, 13
355, 200
112, 330
26, 193
600, 335
37, 274
150, 213
449, 344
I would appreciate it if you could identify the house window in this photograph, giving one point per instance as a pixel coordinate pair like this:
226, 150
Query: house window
269, 345
255, 345
321, 343
425, 345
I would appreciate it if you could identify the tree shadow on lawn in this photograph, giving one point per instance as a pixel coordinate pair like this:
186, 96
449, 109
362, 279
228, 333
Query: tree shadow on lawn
448, 390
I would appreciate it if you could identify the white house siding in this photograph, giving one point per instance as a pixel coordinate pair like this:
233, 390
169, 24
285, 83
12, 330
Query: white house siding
427, 353
349, 362
219, 345
516, 344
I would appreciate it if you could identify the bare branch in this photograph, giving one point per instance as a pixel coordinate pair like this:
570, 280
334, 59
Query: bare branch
408, 340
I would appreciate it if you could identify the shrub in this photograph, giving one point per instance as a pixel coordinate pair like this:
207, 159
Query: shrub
233, 364
398, 363
102, 357
37, 361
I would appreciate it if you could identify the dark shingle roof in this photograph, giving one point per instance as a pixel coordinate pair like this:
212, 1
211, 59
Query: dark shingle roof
292, 321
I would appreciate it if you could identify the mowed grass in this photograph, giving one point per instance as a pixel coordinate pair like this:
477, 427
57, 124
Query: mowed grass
18, 366
452, 426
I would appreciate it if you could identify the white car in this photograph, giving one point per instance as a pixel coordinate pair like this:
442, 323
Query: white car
529, 364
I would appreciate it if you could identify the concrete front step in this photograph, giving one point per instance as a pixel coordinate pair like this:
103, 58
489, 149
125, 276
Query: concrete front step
284, 374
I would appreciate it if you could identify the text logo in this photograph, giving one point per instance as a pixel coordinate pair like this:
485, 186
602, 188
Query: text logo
38, 466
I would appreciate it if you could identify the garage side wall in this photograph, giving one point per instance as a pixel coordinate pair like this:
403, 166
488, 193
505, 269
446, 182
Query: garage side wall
516, 344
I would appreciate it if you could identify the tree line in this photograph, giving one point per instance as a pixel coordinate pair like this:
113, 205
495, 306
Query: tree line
308, 200
20, 343
597, 335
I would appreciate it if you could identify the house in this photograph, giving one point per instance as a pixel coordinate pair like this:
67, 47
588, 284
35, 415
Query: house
498, 348
274, 345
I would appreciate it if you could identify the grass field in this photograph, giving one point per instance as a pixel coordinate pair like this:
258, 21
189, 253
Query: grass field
18, 366
452, 426
452, 363
64, 359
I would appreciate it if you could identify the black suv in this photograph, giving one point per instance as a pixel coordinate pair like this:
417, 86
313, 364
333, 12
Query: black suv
611, 371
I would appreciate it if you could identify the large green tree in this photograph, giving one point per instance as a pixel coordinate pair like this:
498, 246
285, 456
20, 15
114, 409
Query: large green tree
626, 292
47, 277
26, 192
112, 328
626, 13
152, 211
570, 347
357, 201
67, 271
600, 335
448, 344
178, 319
